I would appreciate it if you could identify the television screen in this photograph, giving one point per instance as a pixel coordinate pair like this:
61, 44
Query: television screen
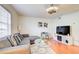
63, 30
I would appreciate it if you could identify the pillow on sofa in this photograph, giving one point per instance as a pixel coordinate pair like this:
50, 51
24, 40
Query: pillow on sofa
12, 40
9, 39
18, 38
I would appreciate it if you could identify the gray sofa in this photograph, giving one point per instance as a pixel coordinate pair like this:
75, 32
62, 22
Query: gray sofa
14, 42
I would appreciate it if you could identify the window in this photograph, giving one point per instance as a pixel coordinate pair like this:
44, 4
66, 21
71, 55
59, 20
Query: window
5, 22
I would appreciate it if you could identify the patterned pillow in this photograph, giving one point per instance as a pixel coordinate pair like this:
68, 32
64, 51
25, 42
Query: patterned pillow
17, 38
9, 39
12, 40
20, 36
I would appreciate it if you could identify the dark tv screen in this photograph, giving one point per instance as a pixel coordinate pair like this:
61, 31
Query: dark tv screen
63, 30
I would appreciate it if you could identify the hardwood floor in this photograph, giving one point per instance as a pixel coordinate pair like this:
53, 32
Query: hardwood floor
61, 48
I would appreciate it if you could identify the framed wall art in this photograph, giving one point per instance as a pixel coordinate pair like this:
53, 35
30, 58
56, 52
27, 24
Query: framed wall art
46, 25
40, 24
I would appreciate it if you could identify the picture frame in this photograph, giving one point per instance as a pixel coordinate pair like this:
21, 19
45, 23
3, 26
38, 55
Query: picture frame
46, 25
40, 24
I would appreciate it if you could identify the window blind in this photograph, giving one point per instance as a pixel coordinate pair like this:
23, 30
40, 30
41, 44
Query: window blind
5, 22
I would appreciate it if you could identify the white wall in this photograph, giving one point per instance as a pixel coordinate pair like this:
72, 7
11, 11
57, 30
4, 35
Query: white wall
14, 17
29, 25
71, 19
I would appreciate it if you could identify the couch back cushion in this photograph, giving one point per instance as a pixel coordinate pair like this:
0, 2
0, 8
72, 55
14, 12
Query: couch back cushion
34, 37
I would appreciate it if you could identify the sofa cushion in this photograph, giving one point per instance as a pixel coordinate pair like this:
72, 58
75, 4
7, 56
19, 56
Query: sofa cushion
25, 35
4, 43
25, 41
34, 37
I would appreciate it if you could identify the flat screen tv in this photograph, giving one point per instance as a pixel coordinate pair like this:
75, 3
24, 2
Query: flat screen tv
63, 30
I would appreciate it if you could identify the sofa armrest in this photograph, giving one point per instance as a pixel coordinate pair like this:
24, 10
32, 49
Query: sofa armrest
21, 49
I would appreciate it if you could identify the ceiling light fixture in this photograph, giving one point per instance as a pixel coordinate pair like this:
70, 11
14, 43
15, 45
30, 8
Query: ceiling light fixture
52, 9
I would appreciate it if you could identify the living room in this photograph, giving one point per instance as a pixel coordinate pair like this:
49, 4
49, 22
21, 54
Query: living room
31, 20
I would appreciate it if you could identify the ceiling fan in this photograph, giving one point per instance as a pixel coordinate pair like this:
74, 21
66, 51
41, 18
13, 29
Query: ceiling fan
52, 9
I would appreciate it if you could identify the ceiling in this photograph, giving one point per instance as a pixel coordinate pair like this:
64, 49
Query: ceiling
39, 10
